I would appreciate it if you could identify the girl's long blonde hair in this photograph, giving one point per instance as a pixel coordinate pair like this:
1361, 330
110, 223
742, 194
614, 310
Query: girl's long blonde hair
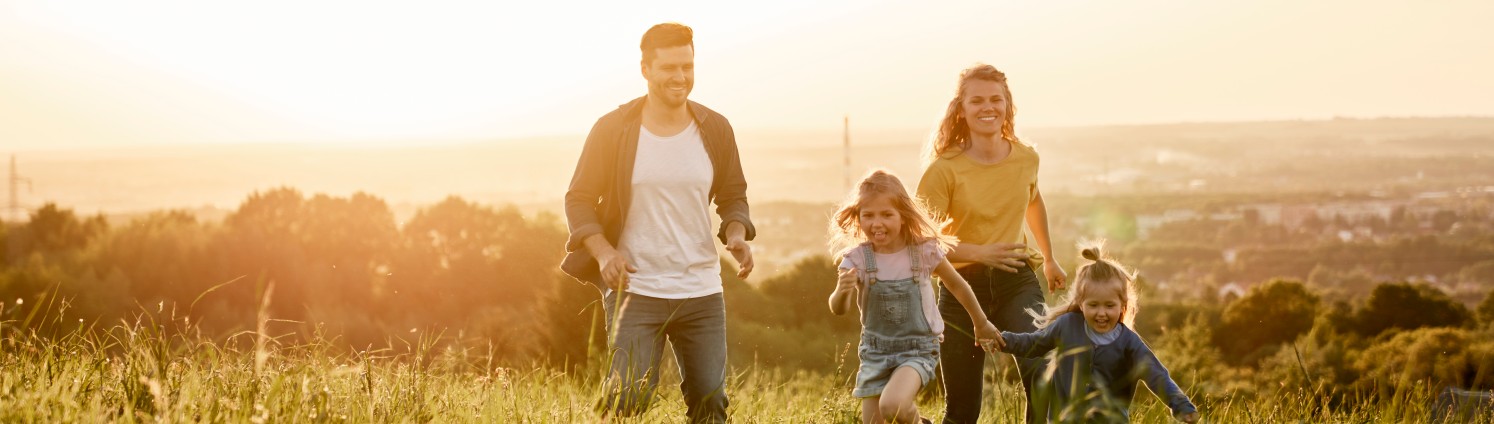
953, 135
918, 225
1102, 270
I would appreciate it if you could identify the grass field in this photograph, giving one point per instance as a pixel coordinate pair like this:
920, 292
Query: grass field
159, 369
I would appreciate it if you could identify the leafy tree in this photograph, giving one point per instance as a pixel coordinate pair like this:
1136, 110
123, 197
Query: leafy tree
798, 296
1486, 309
471, 266
1409, 306
1437, 357
263, 241
5, 246
1481, 272
575, 332
53, 230
161, 256
1270, 314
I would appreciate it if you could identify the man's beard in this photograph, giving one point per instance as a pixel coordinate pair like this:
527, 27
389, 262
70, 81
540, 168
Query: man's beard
667, 97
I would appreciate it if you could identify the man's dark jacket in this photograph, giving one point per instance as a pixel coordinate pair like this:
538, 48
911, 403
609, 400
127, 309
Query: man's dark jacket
601, 189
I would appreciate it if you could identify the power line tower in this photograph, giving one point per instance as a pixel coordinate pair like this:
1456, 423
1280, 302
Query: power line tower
17, 213
846, 137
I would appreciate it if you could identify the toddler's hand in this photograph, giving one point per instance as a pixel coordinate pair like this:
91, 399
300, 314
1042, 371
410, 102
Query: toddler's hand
1190, 418
988, 337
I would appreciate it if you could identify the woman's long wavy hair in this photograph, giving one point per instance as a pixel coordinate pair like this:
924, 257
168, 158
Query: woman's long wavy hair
954, 133
918, 225
1104, 270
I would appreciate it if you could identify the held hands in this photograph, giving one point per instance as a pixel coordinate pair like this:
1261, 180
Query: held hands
988, 337
1005, 256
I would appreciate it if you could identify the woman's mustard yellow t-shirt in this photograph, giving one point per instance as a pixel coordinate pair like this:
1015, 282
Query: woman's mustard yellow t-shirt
986, 203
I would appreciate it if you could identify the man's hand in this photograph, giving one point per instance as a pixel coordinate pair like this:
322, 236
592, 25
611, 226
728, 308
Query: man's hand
736, 243
1005, 256
743, 253
615, 269
612, 264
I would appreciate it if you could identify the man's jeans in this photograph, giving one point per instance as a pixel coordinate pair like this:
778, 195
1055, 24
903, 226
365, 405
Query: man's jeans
637, 330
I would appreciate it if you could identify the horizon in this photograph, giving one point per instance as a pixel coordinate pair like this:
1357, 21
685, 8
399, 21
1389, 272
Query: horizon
749, 134
1181, 159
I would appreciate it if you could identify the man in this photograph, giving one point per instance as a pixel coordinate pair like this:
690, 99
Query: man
639, 215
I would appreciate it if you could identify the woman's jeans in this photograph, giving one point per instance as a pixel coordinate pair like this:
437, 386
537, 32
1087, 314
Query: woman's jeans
1005, 297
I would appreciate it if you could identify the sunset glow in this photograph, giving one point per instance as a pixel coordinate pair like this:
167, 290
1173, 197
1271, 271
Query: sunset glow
110, 73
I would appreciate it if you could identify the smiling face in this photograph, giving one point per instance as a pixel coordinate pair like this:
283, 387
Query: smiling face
984, 107
670, 74
1102, 305
881, 223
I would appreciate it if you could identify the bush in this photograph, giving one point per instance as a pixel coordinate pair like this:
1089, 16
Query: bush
1269, 315
1439, 357
1486, 309
1409, 306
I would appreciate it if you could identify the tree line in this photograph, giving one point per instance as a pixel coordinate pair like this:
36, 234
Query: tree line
478, 277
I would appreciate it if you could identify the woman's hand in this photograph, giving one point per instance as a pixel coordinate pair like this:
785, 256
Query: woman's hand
1057, 279
1004, 256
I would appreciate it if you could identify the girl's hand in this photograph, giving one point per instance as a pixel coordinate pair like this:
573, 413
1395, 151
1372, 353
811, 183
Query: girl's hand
1190, 418
1057, 279
847, 281
988, 337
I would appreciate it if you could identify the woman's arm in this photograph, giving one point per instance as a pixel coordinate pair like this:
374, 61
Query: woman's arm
1037, 221
1003, 256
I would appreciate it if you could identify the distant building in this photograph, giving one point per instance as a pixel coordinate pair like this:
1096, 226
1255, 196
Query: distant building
1267, 213
1354, 211
1229, 293
1146, 223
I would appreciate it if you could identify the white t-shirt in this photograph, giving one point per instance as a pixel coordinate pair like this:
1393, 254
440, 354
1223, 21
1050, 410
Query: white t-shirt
668, 234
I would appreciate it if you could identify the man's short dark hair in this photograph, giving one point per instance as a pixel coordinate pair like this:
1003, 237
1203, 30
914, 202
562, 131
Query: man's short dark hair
665, 35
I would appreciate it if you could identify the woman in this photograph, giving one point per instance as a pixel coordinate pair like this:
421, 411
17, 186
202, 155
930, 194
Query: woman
984, 179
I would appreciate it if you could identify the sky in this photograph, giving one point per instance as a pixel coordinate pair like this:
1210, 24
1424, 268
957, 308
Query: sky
95, 74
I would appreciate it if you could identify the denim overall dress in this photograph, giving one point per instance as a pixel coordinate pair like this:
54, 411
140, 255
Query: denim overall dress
894, 332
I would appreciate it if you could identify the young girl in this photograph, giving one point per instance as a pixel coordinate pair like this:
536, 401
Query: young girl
1099, 357
897, 248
